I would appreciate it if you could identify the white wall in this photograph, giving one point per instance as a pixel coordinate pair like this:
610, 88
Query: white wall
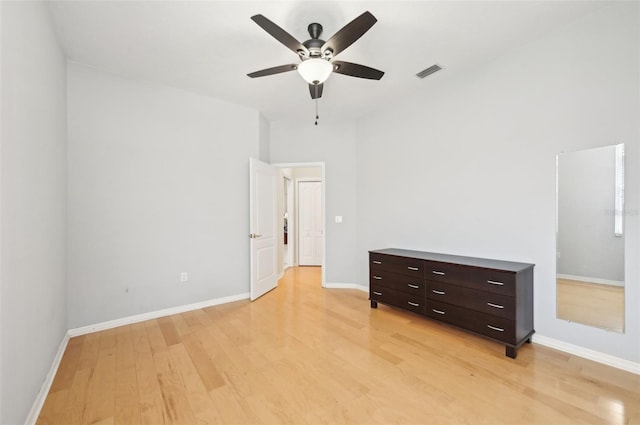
335, 144
467, 165
158, 185
263, 139
33, 176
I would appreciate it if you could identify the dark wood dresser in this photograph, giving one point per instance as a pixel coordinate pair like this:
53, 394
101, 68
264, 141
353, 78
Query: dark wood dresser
491, 298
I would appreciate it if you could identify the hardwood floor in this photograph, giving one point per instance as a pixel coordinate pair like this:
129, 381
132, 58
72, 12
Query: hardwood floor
303, 354
591, 304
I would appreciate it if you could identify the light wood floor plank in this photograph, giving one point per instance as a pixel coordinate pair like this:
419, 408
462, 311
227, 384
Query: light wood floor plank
127, 402
194, 346
90, 349
102, 398
306, 355
169, 331
176, 405
149, 394
181, 326
200, 402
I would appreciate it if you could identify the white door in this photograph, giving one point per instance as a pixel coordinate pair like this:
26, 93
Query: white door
262, 232
311, 224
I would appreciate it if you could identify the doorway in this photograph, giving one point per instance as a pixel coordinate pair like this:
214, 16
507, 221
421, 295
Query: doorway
290, 177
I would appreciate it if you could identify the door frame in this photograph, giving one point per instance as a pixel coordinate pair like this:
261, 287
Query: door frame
323, 175
289, 201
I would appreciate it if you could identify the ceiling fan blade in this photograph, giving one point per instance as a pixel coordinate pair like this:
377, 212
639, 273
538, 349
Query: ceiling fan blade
315, 90
350, 33
355, 70
274, 70
281, 35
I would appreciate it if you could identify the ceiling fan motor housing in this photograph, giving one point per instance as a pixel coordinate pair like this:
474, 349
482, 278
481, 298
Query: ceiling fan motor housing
314, 44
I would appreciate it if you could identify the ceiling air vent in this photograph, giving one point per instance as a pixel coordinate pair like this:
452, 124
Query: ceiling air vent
429, 71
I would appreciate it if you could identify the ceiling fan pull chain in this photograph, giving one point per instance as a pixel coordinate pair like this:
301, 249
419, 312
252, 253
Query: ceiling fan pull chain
317, 112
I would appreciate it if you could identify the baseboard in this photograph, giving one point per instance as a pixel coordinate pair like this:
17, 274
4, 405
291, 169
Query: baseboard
591, 280
46, 385
154, 315
346, 286
596, 356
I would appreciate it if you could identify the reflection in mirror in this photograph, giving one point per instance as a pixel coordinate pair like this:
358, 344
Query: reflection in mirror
590, 237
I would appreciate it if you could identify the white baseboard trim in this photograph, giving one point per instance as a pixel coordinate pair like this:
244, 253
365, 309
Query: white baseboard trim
46, 385
346, 286
154, 315
596, 356
591, 280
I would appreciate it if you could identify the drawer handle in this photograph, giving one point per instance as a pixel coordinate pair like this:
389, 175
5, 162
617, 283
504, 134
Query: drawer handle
415, 269
437, 272
411, 285
377, 293
437, 292
377, 262
437, 311
414, 304
495, 329
495, 305
377, 277
495, 282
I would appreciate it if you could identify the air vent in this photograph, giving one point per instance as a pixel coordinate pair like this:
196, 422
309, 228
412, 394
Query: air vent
429, 71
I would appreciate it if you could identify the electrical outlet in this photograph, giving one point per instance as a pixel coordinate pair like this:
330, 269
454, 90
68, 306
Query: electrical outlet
184, 277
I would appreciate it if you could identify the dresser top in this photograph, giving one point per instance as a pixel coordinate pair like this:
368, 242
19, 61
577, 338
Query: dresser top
457, 259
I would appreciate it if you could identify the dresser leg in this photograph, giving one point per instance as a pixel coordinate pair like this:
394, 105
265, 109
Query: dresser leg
511, 352
374, 304
529, 340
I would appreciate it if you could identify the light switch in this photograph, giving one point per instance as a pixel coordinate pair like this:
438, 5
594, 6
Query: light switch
338, 219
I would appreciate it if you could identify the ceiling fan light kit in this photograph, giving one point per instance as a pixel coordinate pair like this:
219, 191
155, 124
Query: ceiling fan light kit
317, 55
315, 70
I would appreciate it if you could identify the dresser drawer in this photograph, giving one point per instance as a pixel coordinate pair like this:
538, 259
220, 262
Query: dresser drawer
395, 298
399, 282
486, 302
485, 324
494, 281
407, 266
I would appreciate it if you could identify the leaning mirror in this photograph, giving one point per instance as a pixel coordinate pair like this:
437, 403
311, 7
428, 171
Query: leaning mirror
590, 237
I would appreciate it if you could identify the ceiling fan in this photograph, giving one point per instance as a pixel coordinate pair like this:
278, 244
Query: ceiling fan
317, 55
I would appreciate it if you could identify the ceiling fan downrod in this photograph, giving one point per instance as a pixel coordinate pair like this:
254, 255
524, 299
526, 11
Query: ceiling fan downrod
314, 29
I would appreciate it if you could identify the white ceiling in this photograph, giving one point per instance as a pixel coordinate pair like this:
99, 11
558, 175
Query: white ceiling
208, 47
